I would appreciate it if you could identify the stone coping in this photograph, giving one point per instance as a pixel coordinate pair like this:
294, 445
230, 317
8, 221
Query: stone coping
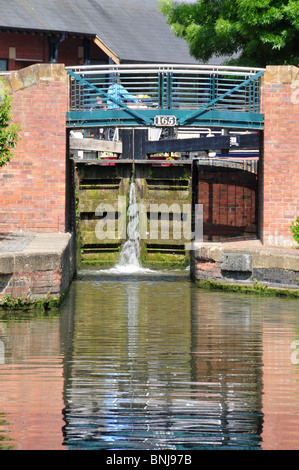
262, 256
43, 252
34, 74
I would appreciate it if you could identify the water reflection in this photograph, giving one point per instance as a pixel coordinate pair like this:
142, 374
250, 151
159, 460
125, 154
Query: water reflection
31, 383
165, 378
140, 354
280, 379
228, 360
151, 362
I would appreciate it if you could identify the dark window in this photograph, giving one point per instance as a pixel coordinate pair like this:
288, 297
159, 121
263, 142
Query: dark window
3, 64
53, 49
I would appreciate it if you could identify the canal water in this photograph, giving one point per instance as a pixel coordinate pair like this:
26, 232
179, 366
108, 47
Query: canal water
147, 361
143, 360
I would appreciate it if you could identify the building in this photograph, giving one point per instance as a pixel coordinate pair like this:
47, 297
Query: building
86, 32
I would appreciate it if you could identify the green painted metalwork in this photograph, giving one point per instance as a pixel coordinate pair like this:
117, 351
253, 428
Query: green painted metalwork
101, 93
195, 95
190, 117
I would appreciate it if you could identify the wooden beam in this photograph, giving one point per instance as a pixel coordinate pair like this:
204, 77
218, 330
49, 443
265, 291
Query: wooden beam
245, 141
95, 145
121, 161
106, 49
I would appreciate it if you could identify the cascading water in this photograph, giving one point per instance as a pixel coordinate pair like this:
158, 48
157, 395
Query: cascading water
130, 253
129, 262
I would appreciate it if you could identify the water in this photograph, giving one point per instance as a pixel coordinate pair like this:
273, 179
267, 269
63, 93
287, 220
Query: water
130, 253
129, 262
143, 360
151, 362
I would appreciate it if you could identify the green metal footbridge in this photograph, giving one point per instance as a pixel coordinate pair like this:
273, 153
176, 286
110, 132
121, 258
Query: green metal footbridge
139, 103
154, 95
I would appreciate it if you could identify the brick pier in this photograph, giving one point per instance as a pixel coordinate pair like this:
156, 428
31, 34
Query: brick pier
33, 184
36, 253
279, 171
232, 205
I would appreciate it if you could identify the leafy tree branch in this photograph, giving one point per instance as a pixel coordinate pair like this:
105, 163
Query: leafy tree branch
255, 32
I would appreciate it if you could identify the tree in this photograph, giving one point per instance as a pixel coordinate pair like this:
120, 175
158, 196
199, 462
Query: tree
256, 32
8, 131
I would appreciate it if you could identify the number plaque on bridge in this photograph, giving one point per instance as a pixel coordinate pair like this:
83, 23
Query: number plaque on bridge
165, 121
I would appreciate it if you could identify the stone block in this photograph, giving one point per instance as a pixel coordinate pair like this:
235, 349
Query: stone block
29, 76
6, 264
236, 262
59, 73
15, 81
280, 74
35, 262
45, 72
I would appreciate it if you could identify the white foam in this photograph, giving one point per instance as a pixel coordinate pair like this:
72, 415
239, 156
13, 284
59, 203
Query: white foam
130, 253
128, 269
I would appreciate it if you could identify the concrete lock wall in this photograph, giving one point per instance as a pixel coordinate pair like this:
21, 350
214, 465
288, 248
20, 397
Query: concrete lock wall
41, 270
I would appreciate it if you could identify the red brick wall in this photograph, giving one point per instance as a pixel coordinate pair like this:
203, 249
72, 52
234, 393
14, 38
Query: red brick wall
37, 283
27, 46
33, 184
68, 52
280, 167
229, 202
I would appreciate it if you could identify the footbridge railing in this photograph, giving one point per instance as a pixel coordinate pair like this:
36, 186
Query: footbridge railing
164, 95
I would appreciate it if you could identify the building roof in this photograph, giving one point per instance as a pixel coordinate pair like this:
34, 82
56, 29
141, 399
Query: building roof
133, 30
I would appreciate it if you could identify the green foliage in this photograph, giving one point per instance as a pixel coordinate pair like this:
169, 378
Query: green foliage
18, 303
259, 32
11, 303
8, 131
295, 230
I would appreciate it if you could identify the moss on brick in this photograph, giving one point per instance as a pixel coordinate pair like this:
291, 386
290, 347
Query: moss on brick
19, 304
256, 289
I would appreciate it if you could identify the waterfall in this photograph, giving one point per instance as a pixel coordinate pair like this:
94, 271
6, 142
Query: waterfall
130, 253
129, 262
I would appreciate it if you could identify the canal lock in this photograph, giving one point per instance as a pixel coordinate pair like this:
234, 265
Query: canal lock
163, 192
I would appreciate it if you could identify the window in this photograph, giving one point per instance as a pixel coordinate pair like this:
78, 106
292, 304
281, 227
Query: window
3, 64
